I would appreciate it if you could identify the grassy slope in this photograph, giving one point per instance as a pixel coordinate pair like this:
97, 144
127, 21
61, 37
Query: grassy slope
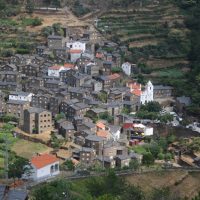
27, 149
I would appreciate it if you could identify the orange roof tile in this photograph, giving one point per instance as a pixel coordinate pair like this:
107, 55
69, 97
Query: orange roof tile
55, 67
137, 92
43, 160
114, 76
75, 51
100, 125
102, 133
134, 86
69, 65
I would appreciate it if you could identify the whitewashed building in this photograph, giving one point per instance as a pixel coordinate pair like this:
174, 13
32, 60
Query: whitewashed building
78, 45
55, 70
44, 166
147, 94
75, 54
128, 68
20, 96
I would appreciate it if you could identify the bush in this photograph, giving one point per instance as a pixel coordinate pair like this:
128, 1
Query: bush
161, 156
32, 21
79, 10
7, 53
148, 159
116, 70
69, 165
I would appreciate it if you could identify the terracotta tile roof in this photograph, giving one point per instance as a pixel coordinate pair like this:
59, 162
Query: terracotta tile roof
137, 92
100, 125
134, 86
127, 125
75, 51
114, 76
55, 67
43, 160
69, 65
102, 133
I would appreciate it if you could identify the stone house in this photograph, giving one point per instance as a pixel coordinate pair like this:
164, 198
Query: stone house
31, 70
8, 85
66, 129
65, 74
55, 42
9, 76
16, 108
40, 50
40, 101
37, 120
122, 161
94, 142
87, 155
52, 84
161, 91
106, 69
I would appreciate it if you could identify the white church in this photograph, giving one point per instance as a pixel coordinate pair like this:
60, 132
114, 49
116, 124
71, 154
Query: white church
147, 94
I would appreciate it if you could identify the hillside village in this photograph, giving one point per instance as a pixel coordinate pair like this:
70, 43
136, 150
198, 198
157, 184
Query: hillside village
77, 96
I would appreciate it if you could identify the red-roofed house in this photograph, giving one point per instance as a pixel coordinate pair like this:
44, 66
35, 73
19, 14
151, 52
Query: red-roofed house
114, 76
44, 166
100, 125
56, 69
145, 95
104, 134
75, 54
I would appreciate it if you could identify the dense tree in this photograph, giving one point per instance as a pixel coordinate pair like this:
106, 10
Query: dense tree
133, 193
152, 106
19, 166
30, 6
57, 190
134, 164
2, 4
148, 159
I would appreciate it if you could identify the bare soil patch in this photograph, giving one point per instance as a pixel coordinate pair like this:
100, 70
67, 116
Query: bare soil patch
143, 43
164, 63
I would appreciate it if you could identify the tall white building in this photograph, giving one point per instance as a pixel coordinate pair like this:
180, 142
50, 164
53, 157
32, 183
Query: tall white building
147, 95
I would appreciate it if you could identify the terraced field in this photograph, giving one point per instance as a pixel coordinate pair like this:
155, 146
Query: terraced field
184, 184
155, 34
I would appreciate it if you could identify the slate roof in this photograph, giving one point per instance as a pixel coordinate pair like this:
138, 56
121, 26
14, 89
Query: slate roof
94, 138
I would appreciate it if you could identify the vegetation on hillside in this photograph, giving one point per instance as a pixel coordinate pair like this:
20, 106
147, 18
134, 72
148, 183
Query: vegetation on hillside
109, 187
